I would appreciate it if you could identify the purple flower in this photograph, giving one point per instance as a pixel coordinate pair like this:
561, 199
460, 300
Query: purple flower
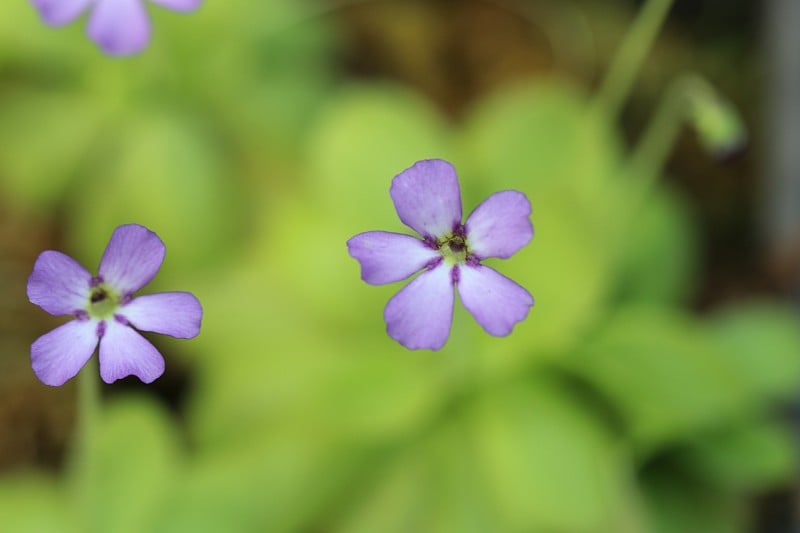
105, 309
427, 199
120, 27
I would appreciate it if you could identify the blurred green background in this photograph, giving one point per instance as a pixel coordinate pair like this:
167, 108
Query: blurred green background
649, 390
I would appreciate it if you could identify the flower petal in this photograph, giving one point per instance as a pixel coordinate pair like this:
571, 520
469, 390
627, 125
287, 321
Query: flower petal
58, 284
496, 302
179, 5
60, 354
132, 257
60, 12
119, 27
419, 316
427, 198
388, 257
500, 225
123, 352
177, 314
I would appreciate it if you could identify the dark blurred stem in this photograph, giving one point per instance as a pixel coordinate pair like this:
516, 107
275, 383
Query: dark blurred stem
626, 64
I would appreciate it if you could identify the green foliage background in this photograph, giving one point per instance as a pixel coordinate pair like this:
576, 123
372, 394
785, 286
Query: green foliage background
235, 138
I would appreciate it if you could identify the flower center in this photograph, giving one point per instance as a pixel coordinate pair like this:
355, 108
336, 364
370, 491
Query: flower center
454, 249
103, 301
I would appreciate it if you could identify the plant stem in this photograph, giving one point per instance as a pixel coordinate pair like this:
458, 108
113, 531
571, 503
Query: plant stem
88, 404
88, 414
621, 74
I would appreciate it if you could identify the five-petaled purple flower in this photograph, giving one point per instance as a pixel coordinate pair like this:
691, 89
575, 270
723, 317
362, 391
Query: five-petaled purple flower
427, 199
120, 27
105, 309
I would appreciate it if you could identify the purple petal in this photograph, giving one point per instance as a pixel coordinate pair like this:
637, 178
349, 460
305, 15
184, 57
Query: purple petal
500, 225
177, 314
123, 352
120, 27
132, 257
427, 198
58, 355
388, 257
496, 302
179, 5
419, 316
58, 284
60, 12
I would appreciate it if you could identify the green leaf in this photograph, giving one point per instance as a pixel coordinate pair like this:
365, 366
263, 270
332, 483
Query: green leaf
32, 503
664, 373
676, 506
163, 171
433, 485
270, 482
32, 123
536, 137
365, 137
757, 456
660, 252
762, 341
549, 463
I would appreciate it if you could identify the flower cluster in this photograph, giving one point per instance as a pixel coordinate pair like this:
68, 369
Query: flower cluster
105, 310
428, 200
119, 27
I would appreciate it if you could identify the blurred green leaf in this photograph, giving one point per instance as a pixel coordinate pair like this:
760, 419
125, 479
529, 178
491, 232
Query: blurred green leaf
367, 135
659, 252
433, 485
550, 465
664, 373
32, 503
130, 469
752, 457
268, 482
678, 506
537, 137
762, 341
166, 172
60, 125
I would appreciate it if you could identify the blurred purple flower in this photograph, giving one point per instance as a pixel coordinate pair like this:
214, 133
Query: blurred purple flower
119, 27
427, 199
105, 309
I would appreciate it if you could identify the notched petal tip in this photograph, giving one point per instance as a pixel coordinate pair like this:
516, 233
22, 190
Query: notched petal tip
427, 197
58, 283
59, 12
420, 315
132, 258
119, 27
500, 225
177, 314
123, 352
183, 6
57, 356
496, 302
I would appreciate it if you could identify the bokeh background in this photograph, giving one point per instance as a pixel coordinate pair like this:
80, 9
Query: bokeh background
653, 387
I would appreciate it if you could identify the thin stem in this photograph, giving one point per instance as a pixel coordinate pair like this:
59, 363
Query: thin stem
626, 64
88, 414
88, 403
650, 155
